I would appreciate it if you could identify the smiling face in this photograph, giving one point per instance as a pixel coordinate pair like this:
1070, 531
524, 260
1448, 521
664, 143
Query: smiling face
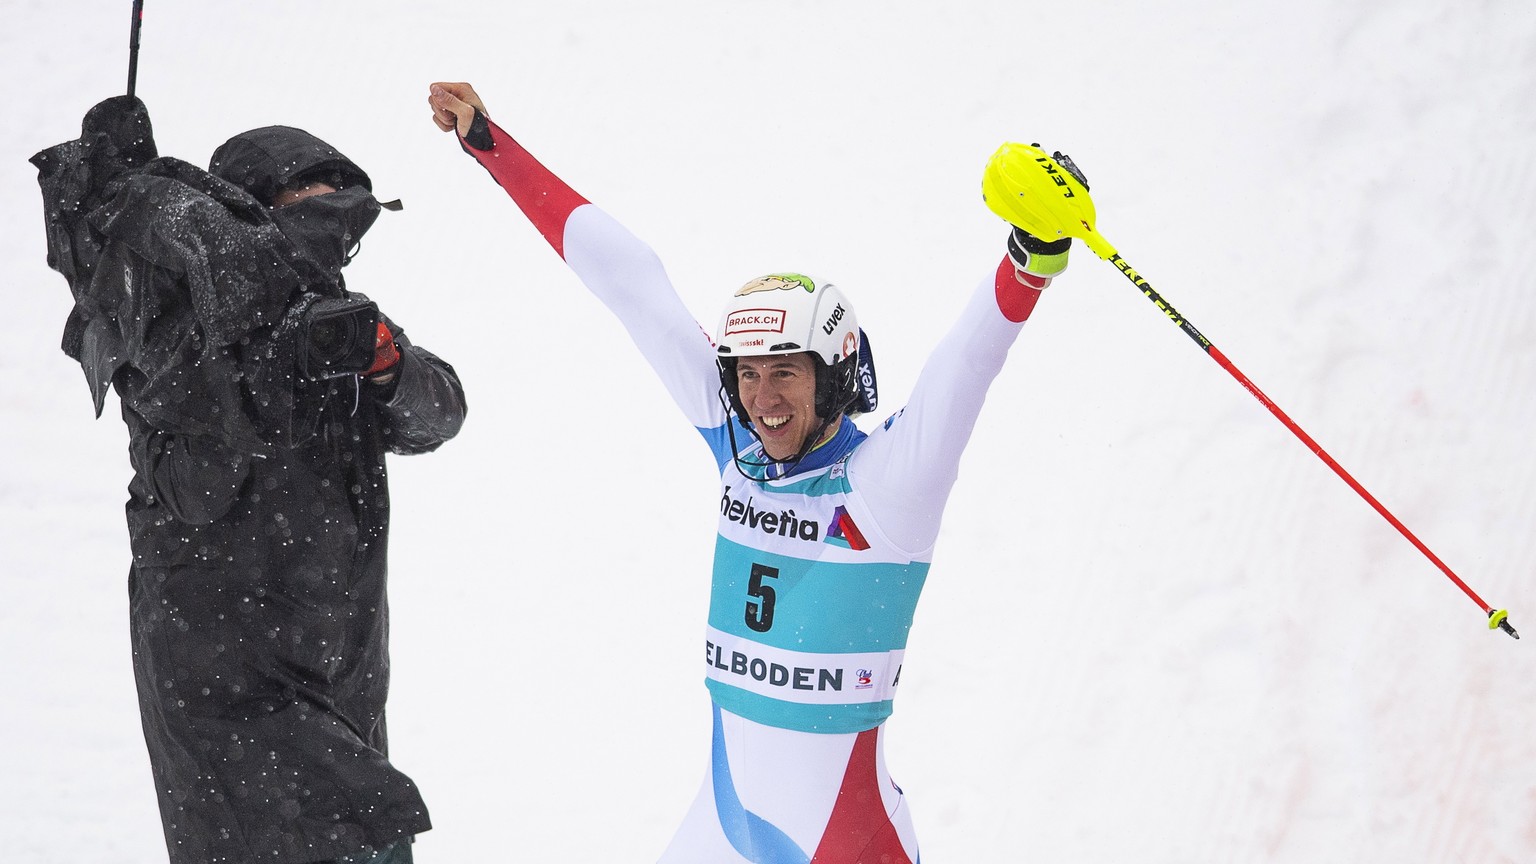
779, 393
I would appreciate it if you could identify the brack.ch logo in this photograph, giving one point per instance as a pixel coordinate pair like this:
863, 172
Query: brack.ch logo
755, 321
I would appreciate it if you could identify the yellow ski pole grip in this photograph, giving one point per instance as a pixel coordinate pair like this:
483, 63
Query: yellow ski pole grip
1026, 187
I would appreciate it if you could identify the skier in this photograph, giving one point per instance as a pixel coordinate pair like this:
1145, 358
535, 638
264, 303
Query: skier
260, 397
825, 532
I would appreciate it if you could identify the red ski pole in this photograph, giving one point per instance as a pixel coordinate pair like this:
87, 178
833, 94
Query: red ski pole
1047, 197
1496, 617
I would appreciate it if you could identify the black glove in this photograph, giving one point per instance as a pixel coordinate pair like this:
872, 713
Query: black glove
1037, 257
479, 136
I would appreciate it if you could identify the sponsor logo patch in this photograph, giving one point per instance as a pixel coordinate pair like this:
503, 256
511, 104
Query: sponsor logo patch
844, 533
784, 523
777, 282
755, 321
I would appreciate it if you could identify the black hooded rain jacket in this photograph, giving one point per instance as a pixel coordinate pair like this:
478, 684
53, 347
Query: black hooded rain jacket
258, 512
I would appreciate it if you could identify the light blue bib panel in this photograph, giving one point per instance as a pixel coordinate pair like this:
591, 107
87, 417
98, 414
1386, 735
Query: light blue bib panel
809, 607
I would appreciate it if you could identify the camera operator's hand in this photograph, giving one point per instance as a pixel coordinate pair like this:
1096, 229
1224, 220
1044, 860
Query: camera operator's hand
385, 355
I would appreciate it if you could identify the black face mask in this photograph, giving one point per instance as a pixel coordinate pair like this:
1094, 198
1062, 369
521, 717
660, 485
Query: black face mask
326, 229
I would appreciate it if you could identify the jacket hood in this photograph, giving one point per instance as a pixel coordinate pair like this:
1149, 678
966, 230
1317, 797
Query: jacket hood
266, 160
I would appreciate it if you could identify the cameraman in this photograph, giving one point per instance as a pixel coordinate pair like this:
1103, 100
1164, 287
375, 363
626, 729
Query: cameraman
260, 398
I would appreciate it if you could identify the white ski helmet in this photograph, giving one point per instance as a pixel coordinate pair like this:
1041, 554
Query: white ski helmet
787, 313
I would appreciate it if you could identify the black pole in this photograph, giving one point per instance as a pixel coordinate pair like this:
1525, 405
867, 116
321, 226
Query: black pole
133, 45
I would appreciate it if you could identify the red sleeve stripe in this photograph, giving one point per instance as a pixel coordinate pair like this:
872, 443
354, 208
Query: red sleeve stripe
543, 197
1014, 298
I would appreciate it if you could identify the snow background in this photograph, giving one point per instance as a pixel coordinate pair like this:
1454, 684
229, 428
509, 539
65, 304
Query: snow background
1157, 629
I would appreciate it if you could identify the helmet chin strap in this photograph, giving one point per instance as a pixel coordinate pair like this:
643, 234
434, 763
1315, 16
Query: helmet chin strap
789, 465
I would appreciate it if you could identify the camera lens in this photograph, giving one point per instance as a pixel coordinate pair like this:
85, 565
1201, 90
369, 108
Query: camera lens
338, 336
330, 340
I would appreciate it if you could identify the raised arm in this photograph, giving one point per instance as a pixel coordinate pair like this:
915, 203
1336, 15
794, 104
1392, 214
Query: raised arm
544, 198
912, 463
908, 466
615, 265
